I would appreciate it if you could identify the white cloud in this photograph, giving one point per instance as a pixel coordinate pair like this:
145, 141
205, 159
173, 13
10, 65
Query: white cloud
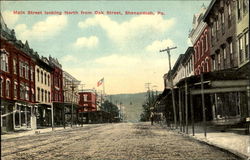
87, 42
9, 18
42, 30
156, 46
135, 28
69, 58
117, 60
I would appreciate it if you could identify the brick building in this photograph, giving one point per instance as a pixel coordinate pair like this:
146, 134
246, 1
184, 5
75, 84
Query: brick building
17, 81
200, 39
88, 101
221, 19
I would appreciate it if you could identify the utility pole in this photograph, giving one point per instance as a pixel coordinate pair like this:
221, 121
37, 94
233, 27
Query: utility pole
171, 81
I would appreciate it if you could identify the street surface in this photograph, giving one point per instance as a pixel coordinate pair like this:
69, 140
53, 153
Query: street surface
123, 141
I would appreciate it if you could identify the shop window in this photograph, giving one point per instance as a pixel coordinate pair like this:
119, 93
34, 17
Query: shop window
227, 105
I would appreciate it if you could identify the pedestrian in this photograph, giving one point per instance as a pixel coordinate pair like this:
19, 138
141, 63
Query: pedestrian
152, 118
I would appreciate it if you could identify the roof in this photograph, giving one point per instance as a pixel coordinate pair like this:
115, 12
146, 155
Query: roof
208, 10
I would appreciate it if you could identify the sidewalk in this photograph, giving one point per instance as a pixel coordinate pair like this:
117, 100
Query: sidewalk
233, 140
28, 132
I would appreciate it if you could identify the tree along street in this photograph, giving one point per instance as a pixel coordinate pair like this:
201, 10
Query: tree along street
110, 141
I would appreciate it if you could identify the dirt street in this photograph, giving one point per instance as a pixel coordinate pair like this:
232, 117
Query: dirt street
124, 141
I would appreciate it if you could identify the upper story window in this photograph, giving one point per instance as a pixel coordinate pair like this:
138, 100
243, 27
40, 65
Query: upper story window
223, 22
38, 93
245, 6
246, 45
14, 66
4, 60
1, 81
41, 77
26, 71
48, 96
48, 80
15, 89
241, 54
45, 78
85, 97
26, 92
7, 89
239, 9
31, 73
37, 73
22, 91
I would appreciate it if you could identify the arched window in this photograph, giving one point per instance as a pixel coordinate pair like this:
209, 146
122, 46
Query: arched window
45, 77
41, 76
38, 73
48, 80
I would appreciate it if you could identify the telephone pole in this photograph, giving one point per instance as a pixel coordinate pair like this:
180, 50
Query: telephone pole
171, 81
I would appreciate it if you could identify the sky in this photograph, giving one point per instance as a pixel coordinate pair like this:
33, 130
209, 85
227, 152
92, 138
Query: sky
122, 49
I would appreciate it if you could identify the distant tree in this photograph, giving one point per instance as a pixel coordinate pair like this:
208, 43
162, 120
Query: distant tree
145, 115
111, 108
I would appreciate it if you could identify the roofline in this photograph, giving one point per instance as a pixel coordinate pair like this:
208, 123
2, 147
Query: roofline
208, 10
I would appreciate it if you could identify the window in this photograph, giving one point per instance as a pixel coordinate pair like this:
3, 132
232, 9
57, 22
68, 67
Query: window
245, 6
1, 81
38, 93
7, 89
239, 9
202, 46
231, 52
26, 66
38, 72
217, 25
48, 80
206, 42
219, 61
15, 89
45, 96
246, 45
45, 77
24, 70
223, 22
85, 97
31, 74
241, 49
224, 53
22, 91
32, 95
26, 92
14, 66
42, 98
41, 77
4, 61
48, 96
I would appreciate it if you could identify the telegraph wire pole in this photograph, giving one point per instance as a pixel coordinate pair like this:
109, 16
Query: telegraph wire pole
171, 81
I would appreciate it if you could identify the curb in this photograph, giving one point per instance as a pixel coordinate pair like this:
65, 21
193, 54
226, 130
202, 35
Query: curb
205, 141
